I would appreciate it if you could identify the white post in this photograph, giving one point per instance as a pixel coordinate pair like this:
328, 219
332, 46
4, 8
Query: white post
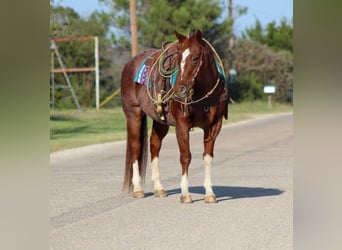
269, 101
97, 73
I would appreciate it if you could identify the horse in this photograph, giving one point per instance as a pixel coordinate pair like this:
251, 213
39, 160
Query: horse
182, 85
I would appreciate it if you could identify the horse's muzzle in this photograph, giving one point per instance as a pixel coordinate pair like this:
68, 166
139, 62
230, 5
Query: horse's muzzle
184, 93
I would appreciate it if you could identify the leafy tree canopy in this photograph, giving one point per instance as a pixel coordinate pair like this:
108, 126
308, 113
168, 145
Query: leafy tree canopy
158, 19
258, 65
277, 37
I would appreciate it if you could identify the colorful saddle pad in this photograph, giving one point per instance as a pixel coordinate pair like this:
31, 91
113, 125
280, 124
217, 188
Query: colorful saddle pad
141, 76
142, 73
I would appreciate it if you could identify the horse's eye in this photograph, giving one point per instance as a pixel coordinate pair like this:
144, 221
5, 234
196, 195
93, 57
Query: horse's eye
195, 59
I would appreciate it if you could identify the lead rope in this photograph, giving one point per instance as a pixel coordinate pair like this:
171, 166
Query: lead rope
216, 55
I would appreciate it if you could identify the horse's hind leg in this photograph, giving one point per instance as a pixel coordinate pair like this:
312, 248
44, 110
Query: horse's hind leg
158, 133
136, 151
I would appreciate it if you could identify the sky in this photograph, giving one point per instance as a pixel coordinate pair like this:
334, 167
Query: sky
265, 11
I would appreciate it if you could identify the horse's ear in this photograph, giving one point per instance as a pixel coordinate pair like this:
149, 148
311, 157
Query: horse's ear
199, 38
180, 37
199, 35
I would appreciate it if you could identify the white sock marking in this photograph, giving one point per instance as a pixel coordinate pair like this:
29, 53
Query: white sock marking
155, 174
184, 185
207, 171
136, 179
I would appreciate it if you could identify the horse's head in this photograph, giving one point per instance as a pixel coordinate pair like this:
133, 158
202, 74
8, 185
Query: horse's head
190, 53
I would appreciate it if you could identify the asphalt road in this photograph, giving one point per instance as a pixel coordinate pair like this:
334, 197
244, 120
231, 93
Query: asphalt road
252, 178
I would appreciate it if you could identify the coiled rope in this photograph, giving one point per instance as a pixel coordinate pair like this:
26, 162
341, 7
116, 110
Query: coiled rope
164, 73
169, 73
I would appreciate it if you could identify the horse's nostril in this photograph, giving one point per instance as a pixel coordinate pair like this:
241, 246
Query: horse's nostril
182, 90
191, 92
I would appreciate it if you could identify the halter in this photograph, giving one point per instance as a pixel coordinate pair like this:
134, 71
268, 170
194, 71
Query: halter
200, 99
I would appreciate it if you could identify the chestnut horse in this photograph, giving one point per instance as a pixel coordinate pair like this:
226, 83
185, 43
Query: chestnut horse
180, 85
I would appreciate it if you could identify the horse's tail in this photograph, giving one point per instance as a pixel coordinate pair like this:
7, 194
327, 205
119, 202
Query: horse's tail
142, 160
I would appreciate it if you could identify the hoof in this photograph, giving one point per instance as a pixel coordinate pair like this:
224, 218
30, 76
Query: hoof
138, 194
210, 199
185, 199
160, 193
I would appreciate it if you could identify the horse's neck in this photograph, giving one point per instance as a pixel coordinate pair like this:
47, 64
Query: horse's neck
209, 73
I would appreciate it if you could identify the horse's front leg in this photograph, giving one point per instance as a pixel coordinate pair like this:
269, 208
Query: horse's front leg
210, 135
158, 133
182, 132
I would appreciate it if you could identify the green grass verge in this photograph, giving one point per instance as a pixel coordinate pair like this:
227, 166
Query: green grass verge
248, 110
73, 128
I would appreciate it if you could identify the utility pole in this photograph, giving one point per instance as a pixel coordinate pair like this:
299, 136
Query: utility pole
134, 38
230, 30
230, 9
232, 72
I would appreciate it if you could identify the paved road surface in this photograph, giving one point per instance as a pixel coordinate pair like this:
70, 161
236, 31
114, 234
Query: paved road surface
252, 178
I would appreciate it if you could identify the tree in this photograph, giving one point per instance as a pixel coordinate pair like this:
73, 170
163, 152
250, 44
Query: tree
158, 19
258, 65
264, 56
255, 33
276, 37
279, 37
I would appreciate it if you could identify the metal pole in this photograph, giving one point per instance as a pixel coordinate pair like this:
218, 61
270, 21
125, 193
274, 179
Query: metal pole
66, 75
97, 73
53, 80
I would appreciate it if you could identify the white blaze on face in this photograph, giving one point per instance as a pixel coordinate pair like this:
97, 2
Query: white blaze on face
185, 54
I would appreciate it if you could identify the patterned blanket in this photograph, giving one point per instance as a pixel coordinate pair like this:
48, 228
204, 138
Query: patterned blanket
142, 73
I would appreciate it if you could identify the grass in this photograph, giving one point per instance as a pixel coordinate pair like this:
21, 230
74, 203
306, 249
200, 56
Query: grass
248, 110
73, 128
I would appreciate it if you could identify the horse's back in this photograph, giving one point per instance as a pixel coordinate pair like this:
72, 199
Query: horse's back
131, 67
133, 94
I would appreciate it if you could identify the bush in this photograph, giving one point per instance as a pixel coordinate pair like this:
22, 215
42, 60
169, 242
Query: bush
246, 88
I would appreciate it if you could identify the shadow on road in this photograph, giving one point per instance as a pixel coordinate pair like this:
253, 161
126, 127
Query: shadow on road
223, 193
228, 193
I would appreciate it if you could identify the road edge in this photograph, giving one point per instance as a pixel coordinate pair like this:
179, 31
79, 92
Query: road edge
94, 148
